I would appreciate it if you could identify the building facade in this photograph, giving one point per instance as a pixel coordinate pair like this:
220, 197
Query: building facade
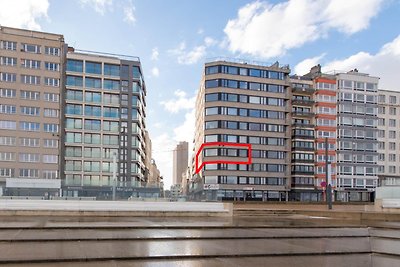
357, 143
244, 103
180, 162
103, 125
302, 140
31, 82
388, 137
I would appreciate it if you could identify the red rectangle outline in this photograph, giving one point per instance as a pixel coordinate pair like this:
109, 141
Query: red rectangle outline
198, 168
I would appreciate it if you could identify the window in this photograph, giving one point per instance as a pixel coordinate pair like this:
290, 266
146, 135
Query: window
111, 70
92, 82
93, 97
392, 123
136, 72
8, 77
52, 66
52, 159
92, 111
74, 81
7, 109
392, 111
212, 70
111, 85
392, 99
110, 139
73, 165
6, 172
110, 126
29, 126
93, 125
51, 97
52, 82
50, 143
73, 137
30, 48
7, 93
8, 125
29, 157
50, 127
91, 166
53, 51
211, 83
110, 112
31, 111
74, 95
7, 140
30, 63
7, 156
8, 45
31, 173
8, 61
93, 67
212, 111
74, 65
30, 79
73, 109
50, 112
49, 174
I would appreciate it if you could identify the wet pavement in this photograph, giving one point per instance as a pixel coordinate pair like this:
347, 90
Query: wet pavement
284, 239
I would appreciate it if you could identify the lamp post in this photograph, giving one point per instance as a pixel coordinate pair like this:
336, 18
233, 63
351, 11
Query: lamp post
114, 179
328, 186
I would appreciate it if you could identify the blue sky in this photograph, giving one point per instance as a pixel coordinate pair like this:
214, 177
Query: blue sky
174, 38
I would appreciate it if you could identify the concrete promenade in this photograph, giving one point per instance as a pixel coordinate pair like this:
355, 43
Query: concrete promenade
254, 235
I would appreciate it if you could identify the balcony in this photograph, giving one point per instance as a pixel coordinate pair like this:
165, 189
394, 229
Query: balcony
297, 148
302, 90
311, 161
302, 125
299, 113
303, 136
303, 102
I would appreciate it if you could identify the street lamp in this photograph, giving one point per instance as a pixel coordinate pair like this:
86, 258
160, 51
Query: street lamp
114, 174
328, 186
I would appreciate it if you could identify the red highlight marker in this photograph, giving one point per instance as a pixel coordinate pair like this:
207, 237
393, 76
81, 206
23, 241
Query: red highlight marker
198, 168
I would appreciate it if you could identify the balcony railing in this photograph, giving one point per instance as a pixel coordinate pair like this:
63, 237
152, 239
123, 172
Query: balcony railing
302, 113
303, 102
302, 90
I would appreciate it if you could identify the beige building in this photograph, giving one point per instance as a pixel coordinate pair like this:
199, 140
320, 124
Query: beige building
180, 162
31, 67
389, 137
244, 103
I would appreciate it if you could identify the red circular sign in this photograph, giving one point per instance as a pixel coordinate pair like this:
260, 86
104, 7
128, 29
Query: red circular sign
323, 184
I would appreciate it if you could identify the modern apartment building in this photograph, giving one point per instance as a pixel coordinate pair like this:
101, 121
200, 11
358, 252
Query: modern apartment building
326, 131
303, 140
31, 82
357, 143
244, 103
180, 162
389, 137
103, 125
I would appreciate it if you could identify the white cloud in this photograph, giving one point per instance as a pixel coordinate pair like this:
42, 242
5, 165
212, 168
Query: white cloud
155, 72
304, 66
185, 132
188, 57
180, 102
154, 54
200, 31
129, 10
23, 13
208, 41
267, 30
384, 64
100, 6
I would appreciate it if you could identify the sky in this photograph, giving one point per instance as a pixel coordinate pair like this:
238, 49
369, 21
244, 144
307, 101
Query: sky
175, 38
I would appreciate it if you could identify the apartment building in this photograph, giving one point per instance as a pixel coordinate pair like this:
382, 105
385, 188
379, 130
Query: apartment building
103, 126
31, 72
244, 103
357, 143
302, 140
389, 137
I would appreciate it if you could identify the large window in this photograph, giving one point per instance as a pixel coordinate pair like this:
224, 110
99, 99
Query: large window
74, 65
111, 70
93, 67
74, 81
92, 82
111, 85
